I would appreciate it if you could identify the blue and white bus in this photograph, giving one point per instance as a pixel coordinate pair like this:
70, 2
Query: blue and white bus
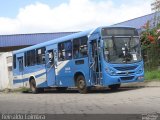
105, 56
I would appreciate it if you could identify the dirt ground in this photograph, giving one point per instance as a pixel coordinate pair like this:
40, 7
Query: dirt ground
135, 99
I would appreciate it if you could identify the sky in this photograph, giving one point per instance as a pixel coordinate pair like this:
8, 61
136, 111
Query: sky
41, 16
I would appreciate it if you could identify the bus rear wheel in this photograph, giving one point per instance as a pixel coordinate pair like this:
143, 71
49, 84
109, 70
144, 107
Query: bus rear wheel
33, 86
81, 84
114, 87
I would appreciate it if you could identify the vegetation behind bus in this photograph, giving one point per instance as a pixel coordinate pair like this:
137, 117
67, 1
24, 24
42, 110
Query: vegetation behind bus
152, 75
150, 42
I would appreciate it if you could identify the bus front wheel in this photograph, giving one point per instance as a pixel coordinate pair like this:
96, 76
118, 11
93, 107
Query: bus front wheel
81, 84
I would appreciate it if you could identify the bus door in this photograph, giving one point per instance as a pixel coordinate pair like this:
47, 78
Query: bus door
95, 64
50, 65
20, 68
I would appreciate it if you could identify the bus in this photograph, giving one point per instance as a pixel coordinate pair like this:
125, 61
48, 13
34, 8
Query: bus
105, 56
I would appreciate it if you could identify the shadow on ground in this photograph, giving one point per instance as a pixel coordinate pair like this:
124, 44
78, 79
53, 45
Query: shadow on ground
93, 91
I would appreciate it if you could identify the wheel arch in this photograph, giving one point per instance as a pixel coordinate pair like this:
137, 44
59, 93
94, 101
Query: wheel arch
31, 77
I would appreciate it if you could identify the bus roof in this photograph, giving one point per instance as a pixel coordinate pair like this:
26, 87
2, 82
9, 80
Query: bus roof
53, 41
65, 38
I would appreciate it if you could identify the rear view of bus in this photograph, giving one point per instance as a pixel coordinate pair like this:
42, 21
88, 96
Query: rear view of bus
122, 61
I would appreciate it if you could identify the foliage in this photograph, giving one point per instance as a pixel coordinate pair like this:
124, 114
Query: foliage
150, 42
152, 75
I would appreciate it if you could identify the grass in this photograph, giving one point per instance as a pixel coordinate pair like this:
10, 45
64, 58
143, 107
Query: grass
22, 89
152, 75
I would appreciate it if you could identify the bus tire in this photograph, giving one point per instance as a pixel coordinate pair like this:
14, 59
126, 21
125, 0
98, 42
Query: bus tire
81, 84
33, 86
114, 87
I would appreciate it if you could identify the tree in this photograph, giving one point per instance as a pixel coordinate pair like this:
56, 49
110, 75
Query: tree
150, 42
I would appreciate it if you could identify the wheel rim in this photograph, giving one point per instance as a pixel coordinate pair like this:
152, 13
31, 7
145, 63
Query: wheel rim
81, 84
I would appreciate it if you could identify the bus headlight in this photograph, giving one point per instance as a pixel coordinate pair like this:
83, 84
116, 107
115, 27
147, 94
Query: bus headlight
110, 71
140, 77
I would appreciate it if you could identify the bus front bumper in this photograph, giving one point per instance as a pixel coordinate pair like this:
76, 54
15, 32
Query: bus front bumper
111, 80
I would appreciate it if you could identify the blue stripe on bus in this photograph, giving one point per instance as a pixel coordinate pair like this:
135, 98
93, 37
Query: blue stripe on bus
37, 76
15, 81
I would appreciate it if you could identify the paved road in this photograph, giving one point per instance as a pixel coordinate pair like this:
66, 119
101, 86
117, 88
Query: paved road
126, 100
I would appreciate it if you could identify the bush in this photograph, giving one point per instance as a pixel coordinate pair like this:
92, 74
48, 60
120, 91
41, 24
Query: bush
150, 43
152, 75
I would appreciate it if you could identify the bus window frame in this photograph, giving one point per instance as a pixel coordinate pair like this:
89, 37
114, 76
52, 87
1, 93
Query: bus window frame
80, 39
65, 50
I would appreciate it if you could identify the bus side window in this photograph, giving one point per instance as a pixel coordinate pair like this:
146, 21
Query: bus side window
65, 51
80, 47
14, 61
30, 58
61, 51
40, 56
20, 61
25, 59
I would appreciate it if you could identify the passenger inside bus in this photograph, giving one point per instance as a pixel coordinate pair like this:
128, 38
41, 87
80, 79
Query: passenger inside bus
61, 56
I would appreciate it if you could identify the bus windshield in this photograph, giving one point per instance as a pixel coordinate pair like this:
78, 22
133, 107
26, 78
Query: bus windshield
122, 49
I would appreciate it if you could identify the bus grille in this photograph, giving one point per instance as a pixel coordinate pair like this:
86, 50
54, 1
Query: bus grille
126, 68
127, 78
